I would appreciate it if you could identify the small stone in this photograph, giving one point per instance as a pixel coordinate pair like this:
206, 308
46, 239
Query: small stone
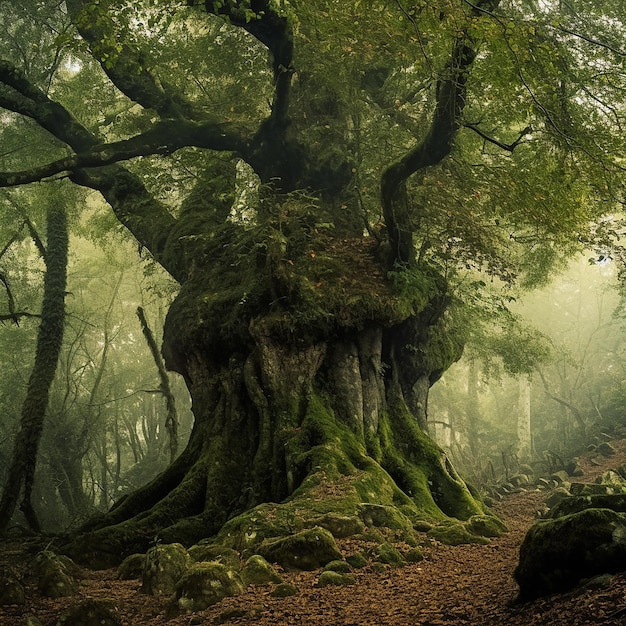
284, 590
334, 578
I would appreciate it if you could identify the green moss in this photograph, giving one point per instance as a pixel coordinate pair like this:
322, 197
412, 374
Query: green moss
454, 534
328, 578
306, 550
386, 553
341, 566
486, 526
284, 590
556, 554
357, 561
257, 571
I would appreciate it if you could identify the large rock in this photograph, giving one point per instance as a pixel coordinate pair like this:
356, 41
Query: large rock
164, 566
205, 584
257, 571
92, 612
11, 590
306, 550
575, 504
55, 575
557, 553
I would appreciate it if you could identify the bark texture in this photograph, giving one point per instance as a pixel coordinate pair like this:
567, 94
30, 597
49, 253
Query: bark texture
21, 473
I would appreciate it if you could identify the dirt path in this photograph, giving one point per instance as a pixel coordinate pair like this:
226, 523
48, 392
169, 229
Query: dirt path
454, 586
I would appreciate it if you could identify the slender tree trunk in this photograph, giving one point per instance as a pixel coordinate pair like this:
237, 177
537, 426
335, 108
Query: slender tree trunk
21, 473
171, 419
524, 435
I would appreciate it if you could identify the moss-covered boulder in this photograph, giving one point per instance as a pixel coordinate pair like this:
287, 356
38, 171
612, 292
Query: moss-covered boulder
339, 525
11, 590
454, 533
384, 516
388, 554
92, 612
305, 550
131, 567
164, 566
257, 571
55, 575
357, 561
205, 584
215, 552
486, 526
414, 555
575, 504
284, 590
343, 567
557, 553
327, 578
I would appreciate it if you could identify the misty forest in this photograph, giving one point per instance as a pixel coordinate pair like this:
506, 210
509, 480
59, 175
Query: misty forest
309, 302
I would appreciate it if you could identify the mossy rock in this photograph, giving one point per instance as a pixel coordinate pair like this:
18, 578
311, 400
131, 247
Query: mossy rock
55, 574
357, 561
559, 494
257, 571
131, 567
486, 526
11, 590
247, 531
575, 504
339, 525
455, 534
343, 567
606, 449
31, 620
284, 590
215, 552
305, 550
557, 553
386, 553
205, 584
381, 516
165, 564
414, 555
590, 489
328, 578
92, 612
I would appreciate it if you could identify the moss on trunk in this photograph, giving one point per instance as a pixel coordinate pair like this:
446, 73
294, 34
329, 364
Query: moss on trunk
309, 370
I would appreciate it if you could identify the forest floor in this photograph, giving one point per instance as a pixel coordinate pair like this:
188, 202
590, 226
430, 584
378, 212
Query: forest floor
453, 586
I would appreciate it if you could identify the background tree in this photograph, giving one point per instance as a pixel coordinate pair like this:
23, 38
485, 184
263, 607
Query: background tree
308, 348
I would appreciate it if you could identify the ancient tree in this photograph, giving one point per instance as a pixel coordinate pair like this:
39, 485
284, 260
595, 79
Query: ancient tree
317, 177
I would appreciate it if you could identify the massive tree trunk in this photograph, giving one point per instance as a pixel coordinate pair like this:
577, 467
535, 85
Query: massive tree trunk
314, 402
308, 349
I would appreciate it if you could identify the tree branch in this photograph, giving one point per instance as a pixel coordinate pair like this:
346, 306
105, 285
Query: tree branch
123, 65
509, 147
274, 31
164, 138
436, 145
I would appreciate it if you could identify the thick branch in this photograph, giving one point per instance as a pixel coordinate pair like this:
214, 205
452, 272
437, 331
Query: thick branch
148, 220
273, 30
123, 65
434, 147
163, 138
